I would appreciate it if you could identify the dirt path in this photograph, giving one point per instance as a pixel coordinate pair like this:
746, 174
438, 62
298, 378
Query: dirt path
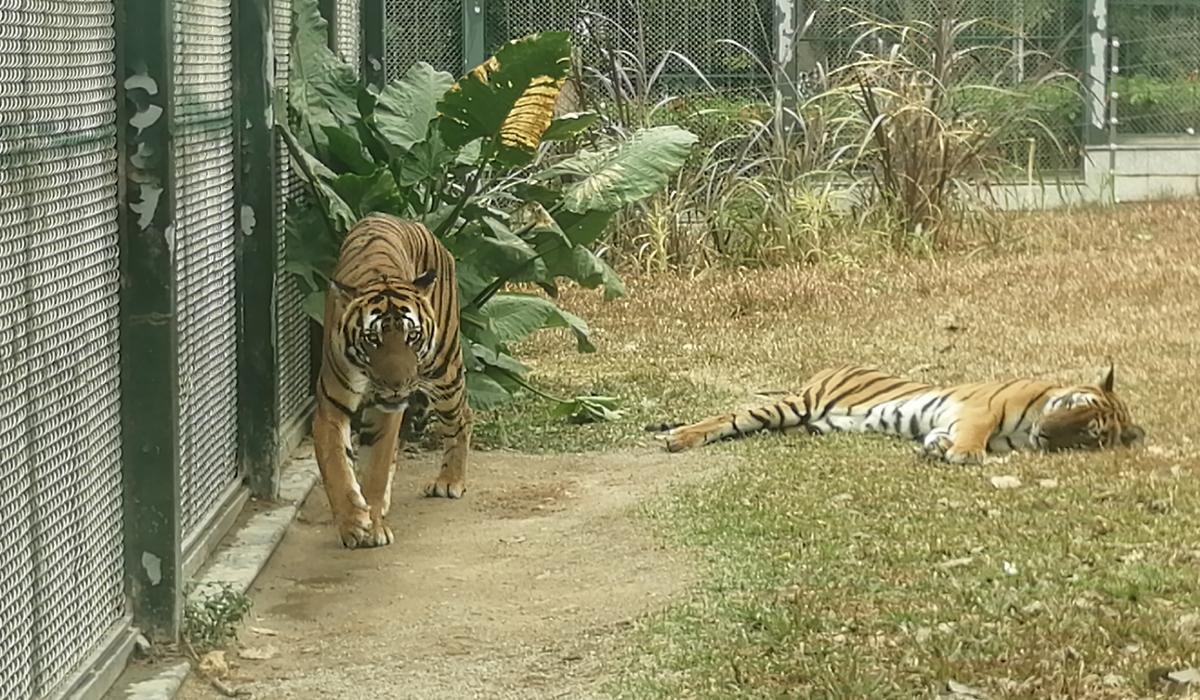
518, 591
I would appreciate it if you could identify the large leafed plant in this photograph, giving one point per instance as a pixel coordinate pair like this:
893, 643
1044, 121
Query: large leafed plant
469, 159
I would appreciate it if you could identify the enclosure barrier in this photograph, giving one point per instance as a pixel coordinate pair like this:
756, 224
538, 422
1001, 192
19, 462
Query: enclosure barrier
155, 361
1148, 57
155, 364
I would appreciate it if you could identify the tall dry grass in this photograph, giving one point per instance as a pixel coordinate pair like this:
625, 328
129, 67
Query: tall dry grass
898, 149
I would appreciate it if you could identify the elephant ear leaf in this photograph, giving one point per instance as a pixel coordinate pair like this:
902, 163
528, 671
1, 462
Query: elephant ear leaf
508, 101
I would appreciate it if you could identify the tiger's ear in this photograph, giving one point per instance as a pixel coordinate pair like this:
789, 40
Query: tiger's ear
1132, 435
344, 292
1106, 382
425, 280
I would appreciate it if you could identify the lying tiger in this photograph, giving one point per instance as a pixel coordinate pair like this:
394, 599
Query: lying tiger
957, 424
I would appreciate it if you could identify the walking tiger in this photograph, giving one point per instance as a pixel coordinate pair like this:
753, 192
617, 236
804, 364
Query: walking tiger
390, 345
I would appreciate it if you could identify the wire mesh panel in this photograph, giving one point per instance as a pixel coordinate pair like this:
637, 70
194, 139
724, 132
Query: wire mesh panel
1017, 44
729, 41
61, 560
16, 490
1158, 63
292, 344
204, 239
347, 41
421, 31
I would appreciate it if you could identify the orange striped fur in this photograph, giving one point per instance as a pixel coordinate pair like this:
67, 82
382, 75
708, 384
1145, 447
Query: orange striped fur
957, 424
391, 345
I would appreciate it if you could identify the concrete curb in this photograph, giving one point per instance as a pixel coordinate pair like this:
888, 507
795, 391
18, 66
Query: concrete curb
237, 562
245, 552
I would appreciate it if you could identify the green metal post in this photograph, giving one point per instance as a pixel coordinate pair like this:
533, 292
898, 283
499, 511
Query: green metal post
149, 381
328, 9
373, 23
258, 191
473, 39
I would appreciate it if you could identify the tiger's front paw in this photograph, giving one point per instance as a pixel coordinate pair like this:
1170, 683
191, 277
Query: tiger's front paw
354, 527
446, 487
361, 531
380, 535
956, 456
937, 443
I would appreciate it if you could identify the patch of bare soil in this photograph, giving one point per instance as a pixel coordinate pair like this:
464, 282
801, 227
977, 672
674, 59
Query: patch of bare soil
520, 590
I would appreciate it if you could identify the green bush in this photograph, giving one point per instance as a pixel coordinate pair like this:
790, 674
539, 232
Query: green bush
1147, 105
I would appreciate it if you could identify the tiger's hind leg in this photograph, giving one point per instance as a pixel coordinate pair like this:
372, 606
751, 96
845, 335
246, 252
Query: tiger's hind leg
787, 415
376, 459
455, 424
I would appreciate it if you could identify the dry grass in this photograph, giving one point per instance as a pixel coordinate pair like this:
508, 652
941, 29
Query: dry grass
845, 566
1085, 286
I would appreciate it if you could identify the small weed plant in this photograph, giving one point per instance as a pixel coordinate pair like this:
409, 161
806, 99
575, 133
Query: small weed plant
210, 619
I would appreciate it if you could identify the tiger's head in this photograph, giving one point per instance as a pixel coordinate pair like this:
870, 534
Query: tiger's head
1086, 417
388, 329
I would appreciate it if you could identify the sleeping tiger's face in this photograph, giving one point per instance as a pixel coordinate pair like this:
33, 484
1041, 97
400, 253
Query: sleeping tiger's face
1086, 417
388, 329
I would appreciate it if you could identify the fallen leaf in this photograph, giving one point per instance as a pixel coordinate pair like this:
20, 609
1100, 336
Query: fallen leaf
264, 631
1005, 482
959, 690
516, 539
259, 653
1189, 623
1130, 557
1188, 676
955, 563
214, 665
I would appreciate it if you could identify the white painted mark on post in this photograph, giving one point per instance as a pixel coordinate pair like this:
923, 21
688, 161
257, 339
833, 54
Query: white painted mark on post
248, 220
153, 567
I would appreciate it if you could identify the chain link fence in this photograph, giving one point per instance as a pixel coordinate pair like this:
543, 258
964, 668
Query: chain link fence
292, 331
415, 30
730, 51
61, 557
64, 519
204, 252
1019, 42
1155, 51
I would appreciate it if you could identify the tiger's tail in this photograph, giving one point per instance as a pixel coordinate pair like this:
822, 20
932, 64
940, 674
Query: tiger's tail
783, 415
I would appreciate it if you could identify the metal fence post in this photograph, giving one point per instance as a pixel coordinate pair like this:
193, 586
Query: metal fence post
473, 35
787, 22
328, 10
1096, 72
256, 185
149, 341
373, 32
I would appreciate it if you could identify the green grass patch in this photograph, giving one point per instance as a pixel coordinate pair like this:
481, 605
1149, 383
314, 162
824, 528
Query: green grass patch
848, 567
645, 397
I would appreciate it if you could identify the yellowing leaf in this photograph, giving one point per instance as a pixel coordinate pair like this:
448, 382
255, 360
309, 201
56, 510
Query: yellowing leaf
508, 101
531, 115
